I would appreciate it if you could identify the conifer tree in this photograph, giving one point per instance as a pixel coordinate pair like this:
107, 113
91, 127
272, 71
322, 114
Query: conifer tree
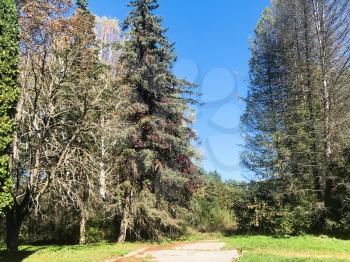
262, 122
83, 5
156, 161
9, 55
309, 49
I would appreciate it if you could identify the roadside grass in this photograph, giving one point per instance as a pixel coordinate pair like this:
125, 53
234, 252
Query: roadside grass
254, 249
88, 253
302, 248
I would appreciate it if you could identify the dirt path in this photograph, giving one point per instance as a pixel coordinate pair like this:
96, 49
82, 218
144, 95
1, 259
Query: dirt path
197, 252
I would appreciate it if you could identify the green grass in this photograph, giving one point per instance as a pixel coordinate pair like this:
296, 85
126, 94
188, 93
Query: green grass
254, 248
303, 248
89, 253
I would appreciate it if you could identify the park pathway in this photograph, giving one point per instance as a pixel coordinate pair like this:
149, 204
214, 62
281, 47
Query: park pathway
210, 251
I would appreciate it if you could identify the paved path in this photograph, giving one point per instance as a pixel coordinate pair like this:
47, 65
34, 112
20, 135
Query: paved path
198, 252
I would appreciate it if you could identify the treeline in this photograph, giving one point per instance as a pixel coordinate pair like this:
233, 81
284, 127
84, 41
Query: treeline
95, 143
297, 124
96, 140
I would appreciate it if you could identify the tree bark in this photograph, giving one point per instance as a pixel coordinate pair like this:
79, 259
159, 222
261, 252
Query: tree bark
83, 219
14, 219
102, 166
84, 216
124, 224
13, 227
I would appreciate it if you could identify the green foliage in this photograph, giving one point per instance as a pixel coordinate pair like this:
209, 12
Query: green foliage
156, 161
300, 172
9, 55
268, 207
83, 5
211, 205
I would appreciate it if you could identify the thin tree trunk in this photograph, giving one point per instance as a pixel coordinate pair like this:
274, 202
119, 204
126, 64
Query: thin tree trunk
310, 101
83, 219
84, 216
326, 96
326, 182
124, 224
102, 167
102, 170
328, 148
102, 180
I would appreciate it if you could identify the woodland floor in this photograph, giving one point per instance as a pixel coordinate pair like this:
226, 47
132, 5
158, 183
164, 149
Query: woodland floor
199, 248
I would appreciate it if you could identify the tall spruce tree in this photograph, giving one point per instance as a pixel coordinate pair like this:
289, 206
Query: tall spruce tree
9, 56
156, 162
83, 5
262, 122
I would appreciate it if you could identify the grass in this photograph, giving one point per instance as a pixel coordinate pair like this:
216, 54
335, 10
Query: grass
303, 248
254, 248
89, 253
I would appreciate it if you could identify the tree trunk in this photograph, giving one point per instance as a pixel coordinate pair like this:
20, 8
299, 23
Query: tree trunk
102, 181
102, 167
13, 227
310, 103
123, 228
82, 237
84, 216
14, 220
124, 224
323, 37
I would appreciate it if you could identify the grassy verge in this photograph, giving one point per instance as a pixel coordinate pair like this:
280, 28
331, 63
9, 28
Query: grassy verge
255, 249
304, 248
89, 253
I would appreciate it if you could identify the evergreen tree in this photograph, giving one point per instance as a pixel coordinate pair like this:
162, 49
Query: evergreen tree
156, 161
9, 46
297, 113
262, 122
83, 5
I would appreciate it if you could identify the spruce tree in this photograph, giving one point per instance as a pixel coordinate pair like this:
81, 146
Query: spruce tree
83, 5
262, 122
156, 161
9, 55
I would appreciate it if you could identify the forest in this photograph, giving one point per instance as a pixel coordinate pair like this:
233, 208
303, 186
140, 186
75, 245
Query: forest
97, 137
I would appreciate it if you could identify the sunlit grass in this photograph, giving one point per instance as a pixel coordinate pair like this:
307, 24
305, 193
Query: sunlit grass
89, 253
303, 248
254, 249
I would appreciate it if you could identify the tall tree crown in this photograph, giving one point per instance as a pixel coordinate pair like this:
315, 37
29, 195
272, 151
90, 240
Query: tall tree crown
83, 5
158, 156
9, 55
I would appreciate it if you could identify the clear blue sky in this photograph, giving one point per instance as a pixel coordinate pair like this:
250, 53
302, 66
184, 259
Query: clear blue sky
212, 41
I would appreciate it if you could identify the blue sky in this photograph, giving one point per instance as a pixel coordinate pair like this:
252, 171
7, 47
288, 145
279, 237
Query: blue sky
212, 41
